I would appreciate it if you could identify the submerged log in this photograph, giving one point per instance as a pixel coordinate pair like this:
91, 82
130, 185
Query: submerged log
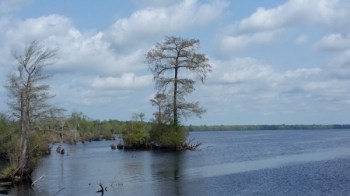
35, 181
60, 150
190, 146
120, 146
113, 147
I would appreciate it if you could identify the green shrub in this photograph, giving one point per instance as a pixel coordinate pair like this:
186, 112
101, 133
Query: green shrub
13, 149
107, 135
134, 133
168, 135
8, 171
38, 146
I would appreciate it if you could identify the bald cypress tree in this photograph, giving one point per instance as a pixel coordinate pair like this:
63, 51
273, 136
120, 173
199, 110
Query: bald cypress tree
29, 94
176, 66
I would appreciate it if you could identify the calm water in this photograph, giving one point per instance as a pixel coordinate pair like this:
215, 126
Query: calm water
228, 163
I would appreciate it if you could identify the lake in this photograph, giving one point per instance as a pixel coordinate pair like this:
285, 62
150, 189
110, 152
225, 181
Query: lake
297, 162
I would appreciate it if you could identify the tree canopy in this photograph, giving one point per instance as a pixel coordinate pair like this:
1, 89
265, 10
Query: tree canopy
29, 93
175, 64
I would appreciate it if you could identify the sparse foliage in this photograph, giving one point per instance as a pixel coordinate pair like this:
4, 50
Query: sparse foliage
28, 94
162, 116
174, 64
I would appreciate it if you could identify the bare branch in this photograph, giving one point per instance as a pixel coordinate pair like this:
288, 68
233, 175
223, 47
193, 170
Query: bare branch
166, 60
28, 97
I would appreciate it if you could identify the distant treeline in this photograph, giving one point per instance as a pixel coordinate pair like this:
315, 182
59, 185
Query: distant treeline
264, 127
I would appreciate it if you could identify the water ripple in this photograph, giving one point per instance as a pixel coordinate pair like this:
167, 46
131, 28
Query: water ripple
274, 162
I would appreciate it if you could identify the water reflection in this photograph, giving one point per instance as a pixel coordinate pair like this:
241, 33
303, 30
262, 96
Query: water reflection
24, 189
168, 169
61, 169
134, 167
228, 163
275, 162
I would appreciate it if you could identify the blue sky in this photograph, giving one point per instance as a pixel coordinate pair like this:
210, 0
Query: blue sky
273, 61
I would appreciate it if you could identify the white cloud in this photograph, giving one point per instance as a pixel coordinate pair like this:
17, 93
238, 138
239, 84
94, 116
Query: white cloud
86, 62
340, 65
242, 70
41, 28
302, 73
242, 41
267, 25
126, 81
260, 83
293, 12
242, 79
152, 21
331, 86
334, 41
93, 54
84, 52
343, 58
247, 87
76, 90
105, 68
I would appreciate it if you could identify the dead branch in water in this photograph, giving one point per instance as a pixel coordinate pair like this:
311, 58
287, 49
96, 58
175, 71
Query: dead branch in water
102, 190
38, 179
59, 191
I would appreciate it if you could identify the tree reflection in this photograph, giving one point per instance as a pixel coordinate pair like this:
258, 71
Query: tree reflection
167, 169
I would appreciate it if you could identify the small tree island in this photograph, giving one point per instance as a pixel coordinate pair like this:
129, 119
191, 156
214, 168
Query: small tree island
175, 65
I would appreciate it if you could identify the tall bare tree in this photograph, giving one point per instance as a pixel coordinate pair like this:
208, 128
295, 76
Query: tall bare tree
28, 94
173, 63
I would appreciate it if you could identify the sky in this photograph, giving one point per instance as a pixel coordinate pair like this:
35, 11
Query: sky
274, 62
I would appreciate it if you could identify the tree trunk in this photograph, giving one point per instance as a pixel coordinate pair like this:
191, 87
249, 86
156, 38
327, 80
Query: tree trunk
25, 126
30, 97
23, 156
175, 97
